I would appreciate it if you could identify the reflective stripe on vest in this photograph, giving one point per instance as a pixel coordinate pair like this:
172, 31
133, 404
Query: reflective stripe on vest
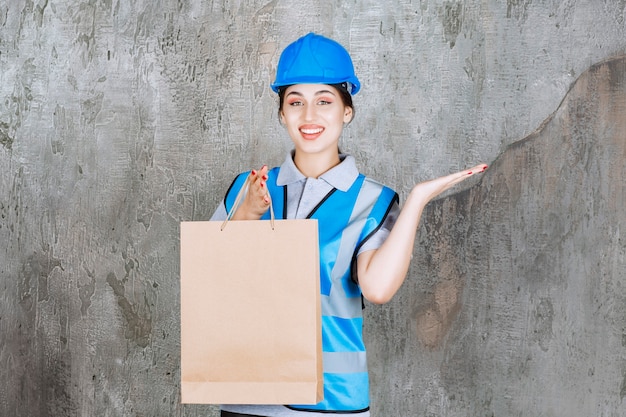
345, 221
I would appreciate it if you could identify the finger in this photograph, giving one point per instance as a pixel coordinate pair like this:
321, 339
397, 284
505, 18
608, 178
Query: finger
258, 194
259, 184
478, 169
263, 176
257, 173
460, 176
264, 169
263, 187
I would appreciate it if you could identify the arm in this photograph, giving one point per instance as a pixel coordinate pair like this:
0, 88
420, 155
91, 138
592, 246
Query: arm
382, 271
256, 202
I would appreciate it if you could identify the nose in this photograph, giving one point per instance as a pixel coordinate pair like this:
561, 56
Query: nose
309, 112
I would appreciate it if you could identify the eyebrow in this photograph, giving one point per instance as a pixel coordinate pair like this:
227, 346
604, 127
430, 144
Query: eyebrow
317, 93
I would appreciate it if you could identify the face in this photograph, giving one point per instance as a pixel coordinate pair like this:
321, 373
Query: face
314, 115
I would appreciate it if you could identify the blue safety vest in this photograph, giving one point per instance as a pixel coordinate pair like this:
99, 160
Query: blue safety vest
345, 221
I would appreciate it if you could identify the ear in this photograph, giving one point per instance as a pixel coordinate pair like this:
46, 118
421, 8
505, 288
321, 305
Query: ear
347, 115
282, 117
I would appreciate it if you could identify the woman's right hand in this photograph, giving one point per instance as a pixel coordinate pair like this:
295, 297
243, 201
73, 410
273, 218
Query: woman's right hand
257, 200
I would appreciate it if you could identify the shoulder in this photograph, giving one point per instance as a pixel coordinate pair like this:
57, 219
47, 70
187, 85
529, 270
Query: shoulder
350, 163
384, 191
374, 182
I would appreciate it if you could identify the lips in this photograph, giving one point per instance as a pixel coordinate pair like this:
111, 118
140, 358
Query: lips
311, 132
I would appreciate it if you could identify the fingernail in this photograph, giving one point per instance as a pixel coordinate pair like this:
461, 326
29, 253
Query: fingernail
470, 173
253, 172
265, 177
262, 185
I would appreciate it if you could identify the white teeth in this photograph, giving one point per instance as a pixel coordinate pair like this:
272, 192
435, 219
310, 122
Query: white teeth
311, 131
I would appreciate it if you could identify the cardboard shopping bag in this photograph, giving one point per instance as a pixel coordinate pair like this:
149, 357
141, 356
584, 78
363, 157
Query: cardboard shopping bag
250, 312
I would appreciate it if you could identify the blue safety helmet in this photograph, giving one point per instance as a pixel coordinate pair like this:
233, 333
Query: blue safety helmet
315, 59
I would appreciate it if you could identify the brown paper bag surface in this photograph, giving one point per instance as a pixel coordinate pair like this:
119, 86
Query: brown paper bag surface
250, 313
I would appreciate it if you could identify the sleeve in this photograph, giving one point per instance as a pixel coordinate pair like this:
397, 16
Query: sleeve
220, 213
382, 233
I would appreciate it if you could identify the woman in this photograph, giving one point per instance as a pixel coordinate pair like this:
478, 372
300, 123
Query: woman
366, 241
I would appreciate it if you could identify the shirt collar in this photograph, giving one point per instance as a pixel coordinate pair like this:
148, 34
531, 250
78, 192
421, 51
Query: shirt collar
340, 177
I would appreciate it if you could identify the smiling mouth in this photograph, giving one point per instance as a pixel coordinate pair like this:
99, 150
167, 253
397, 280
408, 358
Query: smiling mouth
312, 131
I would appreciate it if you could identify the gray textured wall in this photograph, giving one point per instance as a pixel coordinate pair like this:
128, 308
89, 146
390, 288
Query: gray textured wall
120, 119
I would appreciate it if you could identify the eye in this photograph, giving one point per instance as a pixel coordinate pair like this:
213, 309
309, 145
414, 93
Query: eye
324, 101
295, 103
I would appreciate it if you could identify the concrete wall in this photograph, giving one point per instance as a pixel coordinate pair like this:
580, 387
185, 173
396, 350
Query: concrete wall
120, 119
516, 305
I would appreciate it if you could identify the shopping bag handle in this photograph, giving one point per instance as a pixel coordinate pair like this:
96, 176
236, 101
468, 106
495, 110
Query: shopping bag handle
238, 201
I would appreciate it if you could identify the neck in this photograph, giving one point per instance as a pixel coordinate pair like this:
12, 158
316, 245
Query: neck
314, 166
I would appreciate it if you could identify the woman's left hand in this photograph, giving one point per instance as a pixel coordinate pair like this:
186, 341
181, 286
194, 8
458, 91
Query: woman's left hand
426, 191
381, 272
